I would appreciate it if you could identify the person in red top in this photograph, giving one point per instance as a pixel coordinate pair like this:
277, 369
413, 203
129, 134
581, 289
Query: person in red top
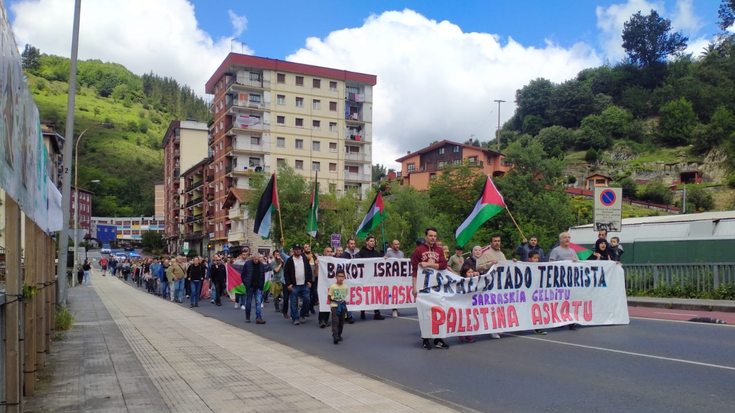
103, 264
428, 255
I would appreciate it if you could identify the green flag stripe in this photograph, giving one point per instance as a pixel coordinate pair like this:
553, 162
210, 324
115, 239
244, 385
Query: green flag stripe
487, 212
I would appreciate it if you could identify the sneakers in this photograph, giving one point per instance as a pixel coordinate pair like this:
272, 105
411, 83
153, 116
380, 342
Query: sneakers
336, 340
340, 338
191, 305
350, 320
362, 315
296, 322
237, 305
395, 313
247, 320
426, 345
302, 319
187, 296
322, 324
379, 316
242, 307
441, 344
260, 321
539, 332
212, 301
495, 335
196, 304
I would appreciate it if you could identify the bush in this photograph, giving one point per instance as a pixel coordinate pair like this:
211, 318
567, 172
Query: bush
592, 134
64, 319
677, 122
630, 188
557, 153
591, 155
571, 179
702, 199
657, 193
556, 136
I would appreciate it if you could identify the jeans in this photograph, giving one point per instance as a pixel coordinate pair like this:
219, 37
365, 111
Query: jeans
338, 322
196, 289
179, 289
165, 289
286, 303
303, 291
86, 277
213, 294
258, 293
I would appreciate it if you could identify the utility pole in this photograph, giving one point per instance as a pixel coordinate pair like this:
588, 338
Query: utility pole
684, 200
498, 136
66, 182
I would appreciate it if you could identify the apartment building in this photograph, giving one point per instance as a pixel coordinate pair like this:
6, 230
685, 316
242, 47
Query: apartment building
54, 144
85, 208
198, 211
270, 112
128, 228
160, 192
420, 167
184, 145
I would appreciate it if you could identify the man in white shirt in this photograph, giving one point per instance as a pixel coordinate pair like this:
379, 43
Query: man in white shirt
491, 256
298, 277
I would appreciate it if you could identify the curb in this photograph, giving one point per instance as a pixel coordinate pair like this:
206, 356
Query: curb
683, 306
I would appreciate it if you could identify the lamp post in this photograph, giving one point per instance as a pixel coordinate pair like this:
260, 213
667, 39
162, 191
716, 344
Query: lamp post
499, 102
76, 196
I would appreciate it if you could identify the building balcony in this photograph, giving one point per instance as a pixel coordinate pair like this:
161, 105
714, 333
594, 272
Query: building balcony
234, 130
357, 157
247, 83
193, 235
210, 140
354, 97
235, 214
236, 236
264, 169
176, 173
194, 202
244, 143
358, 137
210, 178
356, 176
210, 197
247, 104
177, 153
195, 185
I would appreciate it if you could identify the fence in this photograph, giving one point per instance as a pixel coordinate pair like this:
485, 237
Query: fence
698, 277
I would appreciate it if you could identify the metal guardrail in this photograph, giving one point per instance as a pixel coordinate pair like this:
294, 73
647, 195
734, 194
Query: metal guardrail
704, 277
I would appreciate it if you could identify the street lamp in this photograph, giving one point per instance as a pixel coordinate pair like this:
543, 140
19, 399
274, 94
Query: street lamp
499, 102
76, 195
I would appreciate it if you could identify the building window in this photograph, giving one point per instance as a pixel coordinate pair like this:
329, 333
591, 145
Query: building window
299, 81
441, 164
254, 98
333, 86
281, 120
299, 102
316, 166
299, 123
281, 99
441, 151
299, 144
457, 161
316, 83
254, 140
432, 176
255, 77
281, 142
410, 167
316, 145
332, 167
316, 104
333, 106
333, 126
280, 162
456, 149
299, 164
332, 147
316, 124
281, 78
472, 159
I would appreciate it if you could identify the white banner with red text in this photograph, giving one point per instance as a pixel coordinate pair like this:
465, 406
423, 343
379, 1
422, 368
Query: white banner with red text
375, 283
521, 296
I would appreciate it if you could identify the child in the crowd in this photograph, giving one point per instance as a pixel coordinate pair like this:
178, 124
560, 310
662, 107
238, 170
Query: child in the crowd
533, 256
616, 250
467, 272
337, 295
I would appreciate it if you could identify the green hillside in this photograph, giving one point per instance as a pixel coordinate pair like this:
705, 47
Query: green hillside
126, 157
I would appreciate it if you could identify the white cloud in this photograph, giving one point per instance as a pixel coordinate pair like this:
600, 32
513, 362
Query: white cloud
160, 36
610, 21
239, 23
435, 81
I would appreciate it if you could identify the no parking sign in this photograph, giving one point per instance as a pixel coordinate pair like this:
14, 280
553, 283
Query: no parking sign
608, 209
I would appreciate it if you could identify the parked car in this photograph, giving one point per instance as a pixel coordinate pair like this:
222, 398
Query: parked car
106, 249
121, 256
129, 248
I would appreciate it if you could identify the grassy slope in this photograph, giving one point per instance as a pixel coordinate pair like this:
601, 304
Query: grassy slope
113, 154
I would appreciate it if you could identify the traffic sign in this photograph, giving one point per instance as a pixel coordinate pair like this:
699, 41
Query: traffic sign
226, 248
186, 247
608, 209
246, 249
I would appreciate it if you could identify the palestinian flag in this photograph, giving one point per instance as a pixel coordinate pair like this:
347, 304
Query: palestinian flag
311, 224
375, 215
489, 204
267, 205
582, 252
234, 281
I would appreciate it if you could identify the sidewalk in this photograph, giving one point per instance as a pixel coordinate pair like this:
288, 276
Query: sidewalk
133, 352
726, 306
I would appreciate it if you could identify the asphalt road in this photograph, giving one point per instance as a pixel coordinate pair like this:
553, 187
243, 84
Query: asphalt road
646, 366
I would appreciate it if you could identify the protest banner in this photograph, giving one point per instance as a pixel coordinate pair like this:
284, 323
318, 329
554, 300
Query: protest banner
375, 283
521, 296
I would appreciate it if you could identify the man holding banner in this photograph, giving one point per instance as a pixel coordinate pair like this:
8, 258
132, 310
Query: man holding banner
428, 255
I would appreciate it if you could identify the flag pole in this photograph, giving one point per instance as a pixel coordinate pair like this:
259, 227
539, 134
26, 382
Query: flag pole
514, 221
383, 228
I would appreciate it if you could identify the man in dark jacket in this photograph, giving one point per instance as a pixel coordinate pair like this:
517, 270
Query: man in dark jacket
218, 276
369, 251
253, 278
527, 246
298, 282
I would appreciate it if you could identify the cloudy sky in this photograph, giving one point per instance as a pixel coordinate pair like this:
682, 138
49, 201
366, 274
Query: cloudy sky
440, 65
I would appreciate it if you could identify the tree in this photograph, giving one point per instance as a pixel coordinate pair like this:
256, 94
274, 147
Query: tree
647, 39
571, 102
556, 136
630, 188
677, 122
591, 155
702, 199
616, 122
726, 14
657, 193
719, 129
378, 172
593, 134
31, 59
534, 99
152, 241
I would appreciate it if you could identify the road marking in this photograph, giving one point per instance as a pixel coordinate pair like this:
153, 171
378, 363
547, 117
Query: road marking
689, 315
630, 353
